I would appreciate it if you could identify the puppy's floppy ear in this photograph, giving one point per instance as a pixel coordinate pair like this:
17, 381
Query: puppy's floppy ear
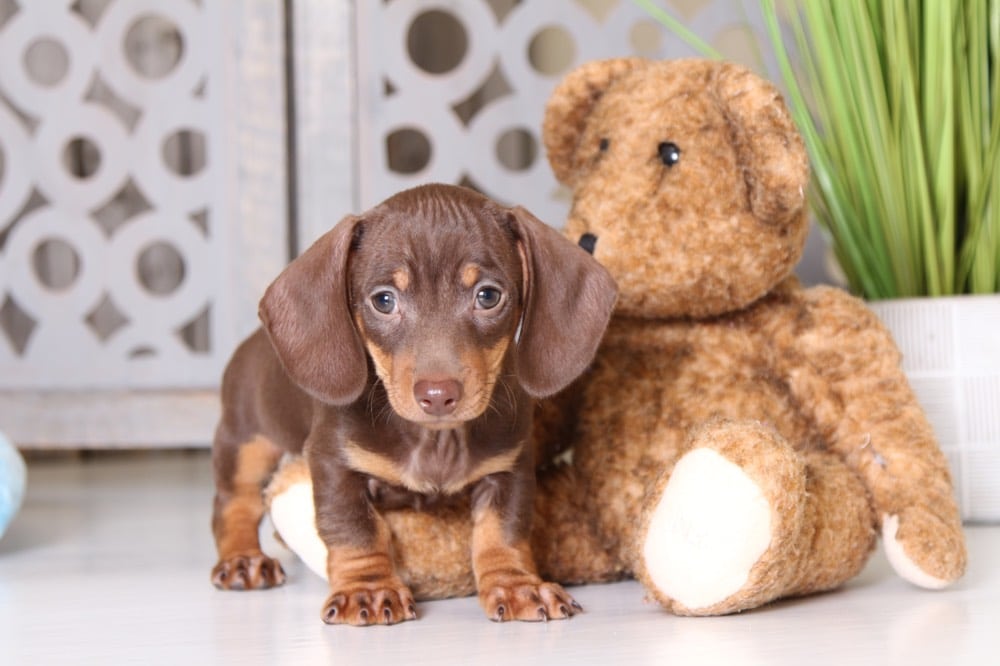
307, 316
568, 302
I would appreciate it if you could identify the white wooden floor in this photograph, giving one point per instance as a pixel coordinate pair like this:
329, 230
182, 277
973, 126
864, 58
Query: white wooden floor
108, 563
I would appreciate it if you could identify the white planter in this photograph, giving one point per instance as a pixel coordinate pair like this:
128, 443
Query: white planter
951, 355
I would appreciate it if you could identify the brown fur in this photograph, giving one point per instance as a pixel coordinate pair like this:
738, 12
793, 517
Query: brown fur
388, 359
508, 583
714, 346
239, 508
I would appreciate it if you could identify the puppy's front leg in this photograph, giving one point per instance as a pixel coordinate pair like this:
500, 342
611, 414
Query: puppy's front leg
364, 587
506, 577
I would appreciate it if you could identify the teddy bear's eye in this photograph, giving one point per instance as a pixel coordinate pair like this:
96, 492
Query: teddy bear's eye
670, 153
603, 145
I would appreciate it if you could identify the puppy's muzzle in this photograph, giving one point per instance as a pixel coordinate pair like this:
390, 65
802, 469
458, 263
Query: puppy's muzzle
438, 398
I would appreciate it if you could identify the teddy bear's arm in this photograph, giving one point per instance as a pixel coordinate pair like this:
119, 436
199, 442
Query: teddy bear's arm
845, 370
554, 425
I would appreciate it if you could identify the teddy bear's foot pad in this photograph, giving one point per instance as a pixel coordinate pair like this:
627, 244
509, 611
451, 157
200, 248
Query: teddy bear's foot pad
711, 525
907, 569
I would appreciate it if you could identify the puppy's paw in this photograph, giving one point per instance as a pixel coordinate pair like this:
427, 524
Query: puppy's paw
379, 603
248, 571
528, 600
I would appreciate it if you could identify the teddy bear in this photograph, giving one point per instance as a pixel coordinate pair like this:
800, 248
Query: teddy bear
739, 438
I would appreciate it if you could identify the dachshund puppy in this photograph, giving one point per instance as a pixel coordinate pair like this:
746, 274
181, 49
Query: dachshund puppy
400, 354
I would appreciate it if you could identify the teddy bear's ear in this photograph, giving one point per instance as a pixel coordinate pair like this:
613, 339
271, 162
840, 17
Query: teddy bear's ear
768, 145
569, 106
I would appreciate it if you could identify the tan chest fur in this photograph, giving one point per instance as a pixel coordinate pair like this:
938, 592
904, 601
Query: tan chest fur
440, 463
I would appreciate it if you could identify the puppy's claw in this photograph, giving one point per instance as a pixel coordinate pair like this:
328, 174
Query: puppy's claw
332, 609
527, 601
242, 581
249, 571
576, 605
363, 605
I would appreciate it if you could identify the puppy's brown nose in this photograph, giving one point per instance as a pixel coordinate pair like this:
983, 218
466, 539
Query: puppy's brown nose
438, 398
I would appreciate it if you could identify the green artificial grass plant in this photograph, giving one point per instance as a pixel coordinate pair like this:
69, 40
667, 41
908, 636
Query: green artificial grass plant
899, 105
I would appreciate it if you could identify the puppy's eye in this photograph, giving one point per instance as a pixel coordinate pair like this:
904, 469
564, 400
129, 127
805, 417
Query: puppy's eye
603, 145
384, 302
488, 298
669, 152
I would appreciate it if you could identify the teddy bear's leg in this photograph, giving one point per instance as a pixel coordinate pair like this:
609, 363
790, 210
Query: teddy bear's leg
743, 519
432, 548
565, 539
911, 489
860, 395
289, 502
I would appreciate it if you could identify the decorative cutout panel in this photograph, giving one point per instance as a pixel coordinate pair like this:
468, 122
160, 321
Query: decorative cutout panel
455, 92
113, 256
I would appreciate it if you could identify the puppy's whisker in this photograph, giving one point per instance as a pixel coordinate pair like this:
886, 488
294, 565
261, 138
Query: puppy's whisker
504, 382
493, 408
384, 413
371, 399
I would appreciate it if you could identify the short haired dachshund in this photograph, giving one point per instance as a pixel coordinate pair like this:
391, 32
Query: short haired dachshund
400, 354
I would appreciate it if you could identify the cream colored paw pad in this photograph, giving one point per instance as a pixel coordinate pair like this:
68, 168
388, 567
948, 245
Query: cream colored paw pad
711, 526
906, 568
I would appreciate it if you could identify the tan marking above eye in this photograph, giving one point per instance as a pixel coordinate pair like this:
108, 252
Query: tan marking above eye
470, 275
401, 279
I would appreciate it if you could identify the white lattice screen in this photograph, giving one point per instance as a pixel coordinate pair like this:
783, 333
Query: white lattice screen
123, 255
115, 257
455, 91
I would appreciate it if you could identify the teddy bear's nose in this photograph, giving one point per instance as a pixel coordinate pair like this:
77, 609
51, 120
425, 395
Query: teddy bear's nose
588, 242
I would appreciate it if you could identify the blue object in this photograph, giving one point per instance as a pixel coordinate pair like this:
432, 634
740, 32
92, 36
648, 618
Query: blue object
13, 477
